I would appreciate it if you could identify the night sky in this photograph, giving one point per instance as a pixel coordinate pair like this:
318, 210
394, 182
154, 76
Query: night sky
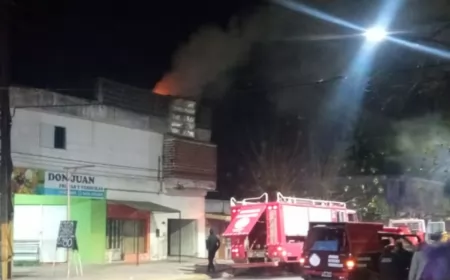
65, 45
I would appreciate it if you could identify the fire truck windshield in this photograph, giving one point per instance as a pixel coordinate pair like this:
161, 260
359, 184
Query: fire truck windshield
325, 239
411, 226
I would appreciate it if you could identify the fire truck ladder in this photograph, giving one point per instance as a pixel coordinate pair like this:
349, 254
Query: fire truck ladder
310, 202
264, 198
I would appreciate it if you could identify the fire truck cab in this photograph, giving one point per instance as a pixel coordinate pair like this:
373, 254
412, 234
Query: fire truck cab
416, 226
419, 227
267, 233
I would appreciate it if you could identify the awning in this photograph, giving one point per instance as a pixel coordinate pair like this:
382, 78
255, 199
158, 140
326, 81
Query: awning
146, 206
244, 222
219, 217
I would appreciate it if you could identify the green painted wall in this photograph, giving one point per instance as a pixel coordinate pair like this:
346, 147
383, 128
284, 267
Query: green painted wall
91, 217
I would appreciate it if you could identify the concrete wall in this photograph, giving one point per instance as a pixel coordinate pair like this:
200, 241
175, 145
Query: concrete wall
127, 158
55, 103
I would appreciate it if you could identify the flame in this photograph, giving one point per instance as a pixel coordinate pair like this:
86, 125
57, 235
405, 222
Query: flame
166, 86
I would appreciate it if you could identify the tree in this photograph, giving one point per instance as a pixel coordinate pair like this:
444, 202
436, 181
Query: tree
414, 100
274, 156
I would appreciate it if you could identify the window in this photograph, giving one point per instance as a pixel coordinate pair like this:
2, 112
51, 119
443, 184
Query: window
351, 217
52, 136
326, 239
134, 236
113, 233
59, 137
127, 235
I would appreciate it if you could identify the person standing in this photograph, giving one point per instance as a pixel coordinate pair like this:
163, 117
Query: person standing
212, 245
402, 260
386, 265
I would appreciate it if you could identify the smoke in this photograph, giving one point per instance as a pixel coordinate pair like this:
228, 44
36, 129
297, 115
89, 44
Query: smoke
424, 146
208, 54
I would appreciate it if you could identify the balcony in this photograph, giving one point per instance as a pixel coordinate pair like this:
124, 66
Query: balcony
189, 164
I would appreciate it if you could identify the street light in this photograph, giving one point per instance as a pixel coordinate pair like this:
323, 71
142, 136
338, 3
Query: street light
375, 34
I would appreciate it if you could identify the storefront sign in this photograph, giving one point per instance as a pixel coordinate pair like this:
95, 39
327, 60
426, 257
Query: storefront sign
80, 185
37, 181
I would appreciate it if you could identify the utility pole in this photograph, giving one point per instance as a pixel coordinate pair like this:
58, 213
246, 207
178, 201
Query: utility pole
69, 172
6, 203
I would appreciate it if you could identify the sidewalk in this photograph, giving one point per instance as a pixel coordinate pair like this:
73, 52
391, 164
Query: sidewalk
161, 270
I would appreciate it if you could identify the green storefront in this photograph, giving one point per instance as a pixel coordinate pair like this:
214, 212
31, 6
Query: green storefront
41, 203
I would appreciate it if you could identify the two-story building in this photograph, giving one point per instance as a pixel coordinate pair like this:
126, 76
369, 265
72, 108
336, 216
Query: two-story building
137, 192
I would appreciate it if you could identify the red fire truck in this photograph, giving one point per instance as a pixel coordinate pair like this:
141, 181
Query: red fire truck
420, 227
267, 233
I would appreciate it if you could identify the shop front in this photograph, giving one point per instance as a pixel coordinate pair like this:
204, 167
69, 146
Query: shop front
40, 204
127, 233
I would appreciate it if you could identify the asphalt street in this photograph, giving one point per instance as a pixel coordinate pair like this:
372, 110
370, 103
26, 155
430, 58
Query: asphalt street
263, 276
267, 278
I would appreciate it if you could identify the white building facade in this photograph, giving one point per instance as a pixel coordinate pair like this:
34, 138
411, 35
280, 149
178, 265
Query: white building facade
123, 153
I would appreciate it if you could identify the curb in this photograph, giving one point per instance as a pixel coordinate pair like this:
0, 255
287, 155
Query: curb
198, 276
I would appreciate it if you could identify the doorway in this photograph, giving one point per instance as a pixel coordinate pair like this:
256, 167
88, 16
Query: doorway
125, 237
182, 237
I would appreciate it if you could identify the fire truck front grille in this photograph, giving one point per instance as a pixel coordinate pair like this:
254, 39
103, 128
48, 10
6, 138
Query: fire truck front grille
256, 260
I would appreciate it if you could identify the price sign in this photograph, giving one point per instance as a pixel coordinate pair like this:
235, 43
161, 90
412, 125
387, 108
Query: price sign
67, 235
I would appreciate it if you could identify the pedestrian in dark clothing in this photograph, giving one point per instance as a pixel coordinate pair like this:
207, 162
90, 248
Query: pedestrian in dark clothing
212, 245
402, 259
387, 267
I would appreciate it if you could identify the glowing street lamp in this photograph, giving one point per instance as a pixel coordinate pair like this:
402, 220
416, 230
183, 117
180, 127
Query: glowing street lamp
375, 34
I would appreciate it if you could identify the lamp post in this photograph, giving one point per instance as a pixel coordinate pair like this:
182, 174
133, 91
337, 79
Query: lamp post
375, 34
69, 172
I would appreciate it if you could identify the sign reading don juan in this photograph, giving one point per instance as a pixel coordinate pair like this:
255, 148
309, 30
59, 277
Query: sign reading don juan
80, 185
67, 235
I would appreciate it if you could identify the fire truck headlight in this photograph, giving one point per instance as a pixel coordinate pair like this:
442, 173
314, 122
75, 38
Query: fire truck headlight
284, 253
350, 264
302, 260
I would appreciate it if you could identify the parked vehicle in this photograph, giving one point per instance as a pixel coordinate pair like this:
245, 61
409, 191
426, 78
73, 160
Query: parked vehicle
348, 251
267, 233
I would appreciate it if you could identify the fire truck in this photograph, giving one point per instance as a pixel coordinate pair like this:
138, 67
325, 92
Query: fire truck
267, 233
420, 227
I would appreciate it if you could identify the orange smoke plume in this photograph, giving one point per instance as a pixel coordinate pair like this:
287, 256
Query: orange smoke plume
166, 86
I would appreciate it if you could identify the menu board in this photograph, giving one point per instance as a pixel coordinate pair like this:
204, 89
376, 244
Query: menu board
67, 235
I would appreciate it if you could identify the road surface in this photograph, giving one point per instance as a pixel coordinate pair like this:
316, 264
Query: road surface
246, 276
267, 278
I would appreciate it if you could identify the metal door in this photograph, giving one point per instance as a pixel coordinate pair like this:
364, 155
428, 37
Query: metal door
182, 235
